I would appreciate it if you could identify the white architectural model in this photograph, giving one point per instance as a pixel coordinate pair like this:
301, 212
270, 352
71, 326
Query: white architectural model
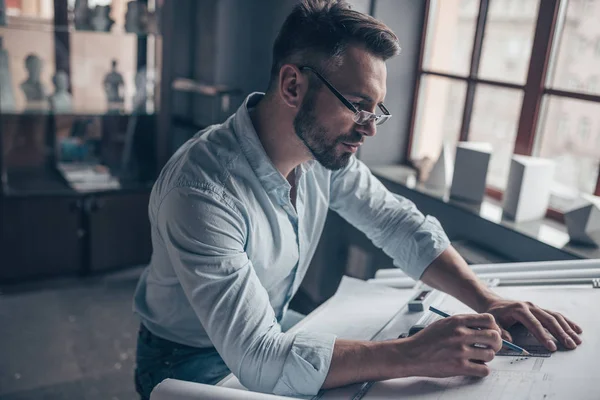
527, 192
470, 171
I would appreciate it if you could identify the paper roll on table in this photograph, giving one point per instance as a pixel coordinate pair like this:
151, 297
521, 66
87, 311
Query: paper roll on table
181, 390
508, 267
588, 272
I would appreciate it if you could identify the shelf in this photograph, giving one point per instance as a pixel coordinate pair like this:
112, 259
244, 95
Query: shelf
36, 27
82, 113
26, 182
546, 231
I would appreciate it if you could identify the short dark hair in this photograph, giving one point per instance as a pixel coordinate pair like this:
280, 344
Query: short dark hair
317, 33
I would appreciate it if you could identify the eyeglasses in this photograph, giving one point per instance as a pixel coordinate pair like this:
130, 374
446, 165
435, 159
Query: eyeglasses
361, 117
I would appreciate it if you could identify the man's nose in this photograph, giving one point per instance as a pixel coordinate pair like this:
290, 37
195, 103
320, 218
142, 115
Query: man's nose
368, 129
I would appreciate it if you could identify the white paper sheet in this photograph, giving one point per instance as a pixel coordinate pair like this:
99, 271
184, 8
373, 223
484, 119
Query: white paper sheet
565, 375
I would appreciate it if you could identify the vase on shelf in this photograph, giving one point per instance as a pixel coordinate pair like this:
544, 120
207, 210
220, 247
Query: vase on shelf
136, 18
100, 20
81, 15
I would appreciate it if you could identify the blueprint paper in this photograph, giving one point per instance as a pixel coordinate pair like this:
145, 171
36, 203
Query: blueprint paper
565, 375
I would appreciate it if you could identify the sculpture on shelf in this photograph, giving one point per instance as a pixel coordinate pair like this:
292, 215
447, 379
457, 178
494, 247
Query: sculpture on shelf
81, 14
471, 163
440, 176
583, 221
528, 189
32, 87
7, 95
114, 87
100, 20
61, 100
136, 18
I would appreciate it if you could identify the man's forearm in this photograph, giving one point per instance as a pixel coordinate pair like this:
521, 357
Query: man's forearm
360, 361
451, 274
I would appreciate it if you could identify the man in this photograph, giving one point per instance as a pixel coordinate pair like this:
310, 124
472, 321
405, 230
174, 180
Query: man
238, 211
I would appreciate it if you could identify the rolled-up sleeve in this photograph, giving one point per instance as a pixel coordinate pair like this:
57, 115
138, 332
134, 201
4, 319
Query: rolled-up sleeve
205, 236
392, 222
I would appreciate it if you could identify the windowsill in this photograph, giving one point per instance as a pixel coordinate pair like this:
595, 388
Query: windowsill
545, 230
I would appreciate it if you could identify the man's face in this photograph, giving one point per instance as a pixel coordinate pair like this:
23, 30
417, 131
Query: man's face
325, 125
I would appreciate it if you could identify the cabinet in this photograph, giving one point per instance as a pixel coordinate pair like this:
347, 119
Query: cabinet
119, 231
40, 236
48, 236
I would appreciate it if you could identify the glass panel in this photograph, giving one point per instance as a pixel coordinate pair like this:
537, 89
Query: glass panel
570, 135
439, 115
495, 120
576, 57
98, 40
130, 16
508, 40
26, 69
98, 86
450, 35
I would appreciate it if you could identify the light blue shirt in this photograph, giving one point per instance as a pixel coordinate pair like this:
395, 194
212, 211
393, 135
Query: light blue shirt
230, 251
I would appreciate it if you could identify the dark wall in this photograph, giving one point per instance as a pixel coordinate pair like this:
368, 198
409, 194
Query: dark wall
246, 31
405, 18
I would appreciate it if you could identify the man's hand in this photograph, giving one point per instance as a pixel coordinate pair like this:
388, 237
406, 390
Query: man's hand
446, 347
536, 320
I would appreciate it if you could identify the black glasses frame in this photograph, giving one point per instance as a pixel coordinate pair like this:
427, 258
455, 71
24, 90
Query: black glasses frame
386, 114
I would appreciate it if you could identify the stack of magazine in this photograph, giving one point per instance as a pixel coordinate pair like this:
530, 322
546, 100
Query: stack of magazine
85, 177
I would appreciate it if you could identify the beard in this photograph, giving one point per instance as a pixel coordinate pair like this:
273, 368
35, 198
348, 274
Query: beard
317, 139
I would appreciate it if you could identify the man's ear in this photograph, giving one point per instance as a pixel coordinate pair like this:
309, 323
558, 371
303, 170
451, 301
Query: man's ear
293, 85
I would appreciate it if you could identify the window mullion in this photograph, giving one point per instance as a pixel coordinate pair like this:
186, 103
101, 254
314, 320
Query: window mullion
475, 59
536, 76
419, 74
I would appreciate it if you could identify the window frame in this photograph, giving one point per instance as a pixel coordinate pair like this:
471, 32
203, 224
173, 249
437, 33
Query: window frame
534, 88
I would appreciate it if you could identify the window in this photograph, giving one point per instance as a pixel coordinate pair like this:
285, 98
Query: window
495, 120
592, 85
450, 37
525, 80
440, 115
572, 83
507, 42
584, 131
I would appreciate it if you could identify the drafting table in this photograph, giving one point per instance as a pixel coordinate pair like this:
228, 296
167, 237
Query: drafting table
350, 314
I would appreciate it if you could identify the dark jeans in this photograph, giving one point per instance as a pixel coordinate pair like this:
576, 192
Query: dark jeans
158, 359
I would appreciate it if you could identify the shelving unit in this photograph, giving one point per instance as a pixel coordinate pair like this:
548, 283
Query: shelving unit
48, 227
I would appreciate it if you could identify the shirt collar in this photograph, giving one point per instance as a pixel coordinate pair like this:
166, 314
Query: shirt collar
269, 176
